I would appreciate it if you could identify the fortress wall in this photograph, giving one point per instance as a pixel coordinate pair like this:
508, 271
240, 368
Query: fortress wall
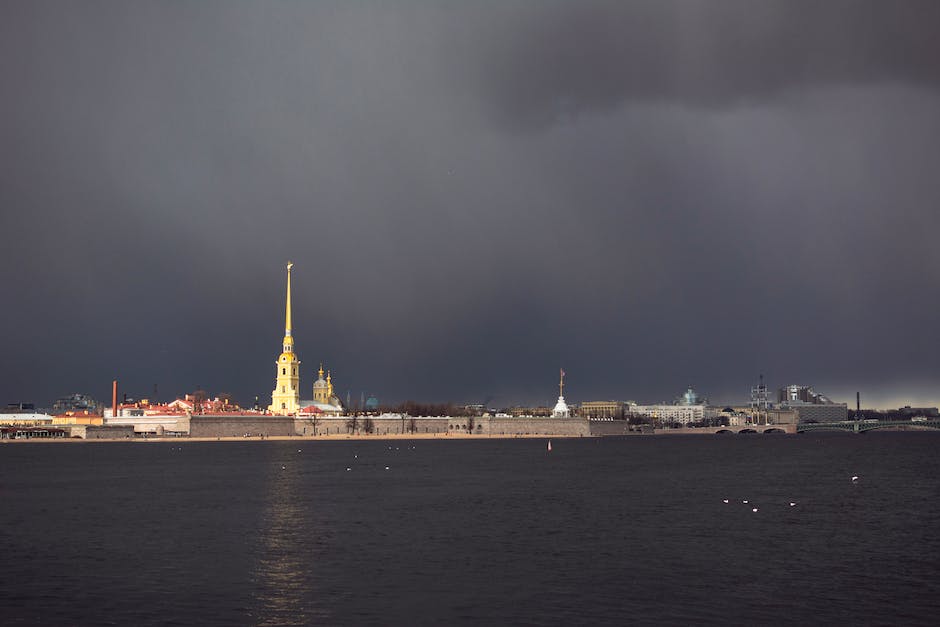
612, 427
238, 426
99, 432
543, 426
447, 424
382, 426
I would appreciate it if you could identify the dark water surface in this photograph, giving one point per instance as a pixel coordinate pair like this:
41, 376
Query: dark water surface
599, 531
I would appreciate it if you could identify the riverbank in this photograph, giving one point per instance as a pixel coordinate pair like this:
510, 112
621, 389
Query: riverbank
333, 437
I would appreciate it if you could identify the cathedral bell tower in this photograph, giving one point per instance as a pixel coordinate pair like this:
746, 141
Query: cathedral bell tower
285, 399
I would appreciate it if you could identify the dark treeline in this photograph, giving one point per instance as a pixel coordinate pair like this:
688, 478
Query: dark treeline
414, 408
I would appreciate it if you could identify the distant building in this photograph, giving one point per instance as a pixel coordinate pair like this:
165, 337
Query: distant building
801, 393
681, 414
781, 416
18, 408
24, 419
602, 409
690, 397
687, 408
530, 411
810, 405
928, 412
76, 403
834, 412
84, 417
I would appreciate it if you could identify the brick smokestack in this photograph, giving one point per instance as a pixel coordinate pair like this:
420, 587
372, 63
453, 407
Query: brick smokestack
114, 399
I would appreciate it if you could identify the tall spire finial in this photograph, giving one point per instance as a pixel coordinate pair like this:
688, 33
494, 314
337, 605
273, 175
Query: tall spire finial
561, 382
287, 321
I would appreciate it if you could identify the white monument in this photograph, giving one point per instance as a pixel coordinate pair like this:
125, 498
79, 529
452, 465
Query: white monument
561, 408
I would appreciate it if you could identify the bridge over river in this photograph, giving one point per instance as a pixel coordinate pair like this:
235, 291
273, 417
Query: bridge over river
861, 426
734, 429
852, 426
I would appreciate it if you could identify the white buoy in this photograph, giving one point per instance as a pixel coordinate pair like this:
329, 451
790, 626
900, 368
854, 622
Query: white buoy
549, 446
348, 468
386, 468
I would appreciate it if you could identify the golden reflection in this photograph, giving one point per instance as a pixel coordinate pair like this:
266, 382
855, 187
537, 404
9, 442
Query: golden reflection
282, 574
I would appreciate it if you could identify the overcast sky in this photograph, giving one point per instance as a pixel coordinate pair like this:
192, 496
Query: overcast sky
474, 194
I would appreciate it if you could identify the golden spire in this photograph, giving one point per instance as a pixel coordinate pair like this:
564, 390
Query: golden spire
321, 370
287, 321
561, 382
329, 384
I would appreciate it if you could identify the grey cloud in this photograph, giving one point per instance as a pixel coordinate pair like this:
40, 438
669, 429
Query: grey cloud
573, 58
703, 191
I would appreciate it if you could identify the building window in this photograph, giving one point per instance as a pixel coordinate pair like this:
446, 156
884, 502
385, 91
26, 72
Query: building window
283, 370
282, 389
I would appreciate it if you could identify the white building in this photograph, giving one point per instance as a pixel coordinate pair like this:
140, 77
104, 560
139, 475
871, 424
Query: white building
683, 414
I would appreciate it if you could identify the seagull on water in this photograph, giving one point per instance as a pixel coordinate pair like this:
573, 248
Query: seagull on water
744, 501
854, 477
754, 510
792, 504
724, 500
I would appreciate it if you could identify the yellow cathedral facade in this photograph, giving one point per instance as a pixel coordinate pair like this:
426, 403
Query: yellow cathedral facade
285, 398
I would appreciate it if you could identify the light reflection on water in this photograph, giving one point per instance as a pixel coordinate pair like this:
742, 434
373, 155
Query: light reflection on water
283, 573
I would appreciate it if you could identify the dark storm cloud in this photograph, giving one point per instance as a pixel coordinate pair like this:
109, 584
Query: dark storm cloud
648, 194
574, 57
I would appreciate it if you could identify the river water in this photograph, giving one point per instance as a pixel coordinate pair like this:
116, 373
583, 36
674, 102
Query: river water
627, 530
